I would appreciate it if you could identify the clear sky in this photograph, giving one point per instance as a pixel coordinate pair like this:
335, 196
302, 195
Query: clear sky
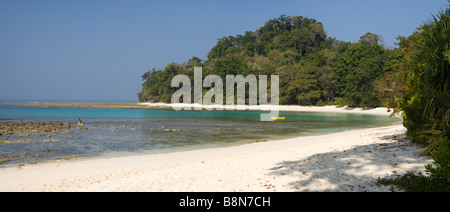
99, 49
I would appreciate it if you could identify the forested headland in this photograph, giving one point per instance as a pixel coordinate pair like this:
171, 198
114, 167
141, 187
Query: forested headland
314, 69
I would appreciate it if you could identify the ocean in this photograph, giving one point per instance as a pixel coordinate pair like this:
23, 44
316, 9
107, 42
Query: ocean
111, 132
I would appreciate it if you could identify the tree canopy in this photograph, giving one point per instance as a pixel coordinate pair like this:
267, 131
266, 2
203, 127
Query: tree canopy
313, 68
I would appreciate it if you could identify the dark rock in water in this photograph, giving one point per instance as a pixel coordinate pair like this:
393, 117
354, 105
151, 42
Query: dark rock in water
8, 158
31, 127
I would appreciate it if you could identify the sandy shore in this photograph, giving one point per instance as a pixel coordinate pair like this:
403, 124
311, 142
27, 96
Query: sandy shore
335, 109
345, 161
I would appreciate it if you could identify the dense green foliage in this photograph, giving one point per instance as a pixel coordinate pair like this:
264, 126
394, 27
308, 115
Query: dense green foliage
426, 105
314, 69
357, 68
426, 101
441, 157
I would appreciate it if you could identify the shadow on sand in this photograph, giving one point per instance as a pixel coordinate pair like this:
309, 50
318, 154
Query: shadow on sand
355, 169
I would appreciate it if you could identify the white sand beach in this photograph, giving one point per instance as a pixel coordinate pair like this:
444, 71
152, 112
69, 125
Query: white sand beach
333, 109
345, 161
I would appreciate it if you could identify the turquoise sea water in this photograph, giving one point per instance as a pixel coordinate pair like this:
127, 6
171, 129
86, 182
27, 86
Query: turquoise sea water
137, 131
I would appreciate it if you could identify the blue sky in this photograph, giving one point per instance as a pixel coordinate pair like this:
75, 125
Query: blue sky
99, 49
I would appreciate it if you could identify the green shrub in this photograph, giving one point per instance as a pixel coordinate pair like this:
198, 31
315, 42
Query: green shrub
417, 183
320, 103
341, 101
441, 157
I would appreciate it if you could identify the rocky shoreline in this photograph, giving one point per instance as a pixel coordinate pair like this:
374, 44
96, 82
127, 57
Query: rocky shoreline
33, 127
23, 132
26, 129
55, 131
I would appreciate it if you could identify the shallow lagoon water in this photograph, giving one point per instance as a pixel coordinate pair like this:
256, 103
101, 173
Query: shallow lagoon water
143, 131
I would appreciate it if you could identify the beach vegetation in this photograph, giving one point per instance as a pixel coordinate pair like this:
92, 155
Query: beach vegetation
425, 104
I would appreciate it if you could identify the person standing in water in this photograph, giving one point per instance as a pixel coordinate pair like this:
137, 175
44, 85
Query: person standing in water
80, 123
